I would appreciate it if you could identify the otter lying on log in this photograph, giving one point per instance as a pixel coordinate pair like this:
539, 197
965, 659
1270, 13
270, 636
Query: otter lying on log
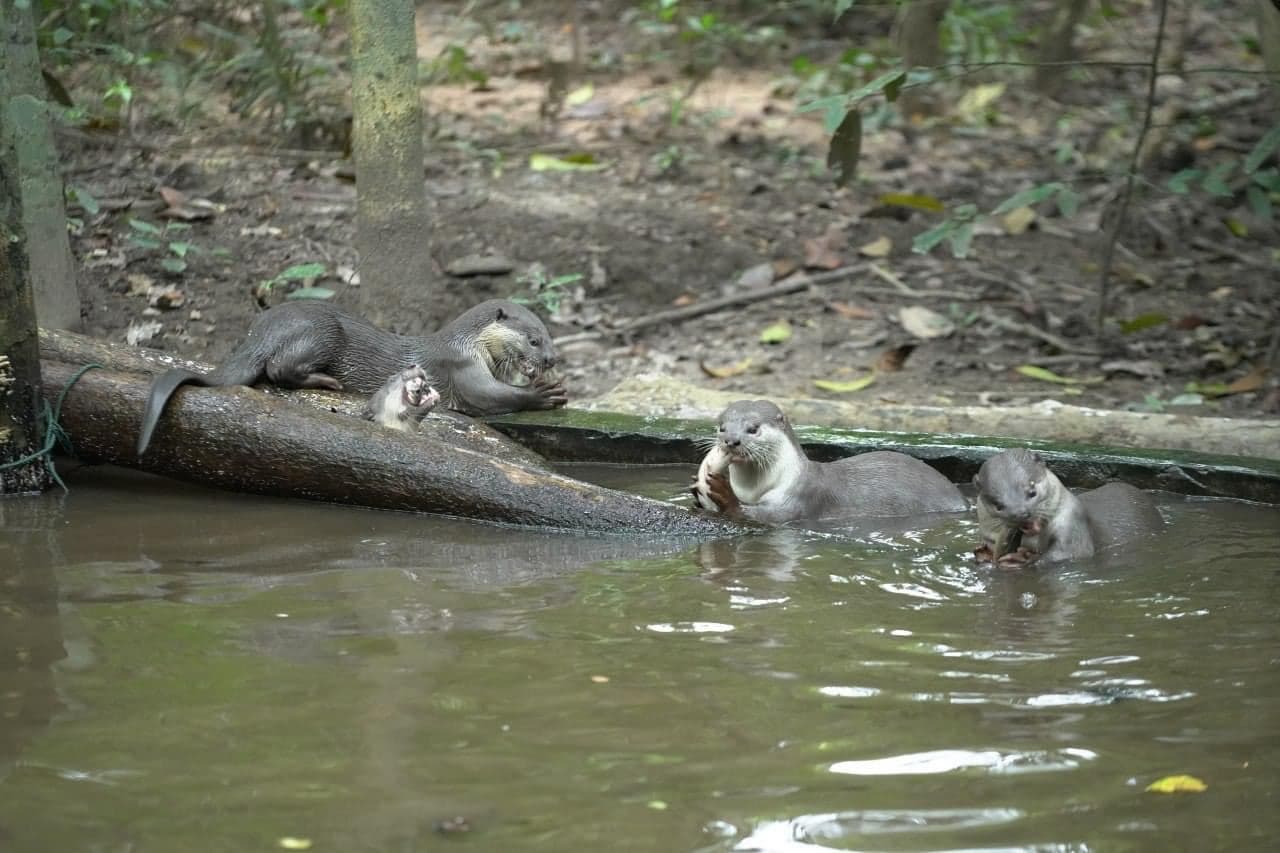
474, 361
1025, 511
402, 403
770, 479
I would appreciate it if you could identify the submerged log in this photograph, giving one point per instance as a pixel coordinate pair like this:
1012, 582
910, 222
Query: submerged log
238, 439
450, 427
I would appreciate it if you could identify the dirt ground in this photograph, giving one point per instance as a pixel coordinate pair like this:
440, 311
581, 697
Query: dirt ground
734, 196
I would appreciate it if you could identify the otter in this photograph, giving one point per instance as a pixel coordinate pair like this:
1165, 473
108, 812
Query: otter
477, 360
403, 400
1025, 511
770, 479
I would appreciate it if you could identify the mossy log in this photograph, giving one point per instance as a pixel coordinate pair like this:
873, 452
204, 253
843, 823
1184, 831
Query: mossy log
239, 439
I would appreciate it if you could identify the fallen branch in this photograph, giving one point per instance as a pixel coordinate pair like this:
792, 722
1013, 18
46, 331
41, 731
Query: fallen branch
238, 439
1034, 331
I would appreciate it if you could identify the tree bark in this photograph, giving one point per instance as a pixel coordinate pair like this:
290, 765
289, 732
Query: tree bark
449, 427
21, 429
1058, 45
241, 440
391, 201
29, 132
1269, 43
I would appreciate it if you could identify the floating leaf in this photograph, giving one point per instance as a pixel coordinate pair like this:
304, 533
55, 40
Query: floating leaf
1181, 784
845, 387
917, 202
657, 805
1143, 321
877, 248
289, 843
845, 148
779, 332
580, 95
1045, 375
726, 371
573, 163
311, 293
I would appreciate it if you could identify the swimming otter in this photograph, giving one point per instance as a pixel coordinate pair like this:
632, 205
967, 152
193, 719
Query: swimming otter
772, 480
403, 401
476, 359
1024, 511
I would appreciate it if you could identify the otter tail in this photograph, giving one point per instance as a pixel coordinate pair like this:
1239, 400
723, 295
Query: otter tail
163, 386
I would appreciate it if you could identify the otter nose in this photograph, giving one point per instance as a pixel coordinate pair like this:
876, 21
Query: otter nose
731, 441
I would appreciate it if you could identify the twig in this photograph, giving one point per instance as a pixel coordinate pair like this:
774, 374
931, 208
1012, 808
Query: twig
901, 288
790, 285
1228, 252
1036, 332
1135, 161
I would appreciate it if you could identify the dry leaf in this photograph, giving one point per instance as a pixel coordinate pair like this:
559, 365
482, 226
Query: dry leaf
777, 333
684, 299
1018, 220
1045, 375
892, 360
845, 387
756, 277
878, 248
726, 371
784, 267
824, 252
851, 312
925, 323
1251, 381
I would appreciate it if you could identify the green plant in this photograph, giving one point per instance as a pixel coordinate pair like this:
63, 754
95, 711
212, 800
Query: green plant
155, 238
298, 272
548, 292
454, 65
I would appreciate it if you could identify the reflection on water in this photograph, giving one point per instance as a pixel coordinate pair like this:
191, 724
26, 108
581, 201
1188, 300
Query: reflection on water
189, 670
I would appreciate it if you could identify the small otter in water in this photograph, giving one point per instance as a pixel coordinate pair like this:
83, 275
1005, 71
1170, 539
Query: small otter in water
771, 479
477, 360
1024, 510
403, 401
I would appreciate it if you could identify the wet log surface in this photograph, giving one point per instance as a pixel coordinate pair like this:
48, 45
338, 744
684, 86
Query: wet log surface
242, 440
449, 427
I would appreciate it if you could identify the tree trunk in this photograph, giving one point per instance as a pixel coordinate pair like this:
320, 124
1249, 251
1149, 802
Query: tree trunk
21, 429
921, 46
239, 439
449, 427
1057, 45
28, 131
1269, 43
391, 212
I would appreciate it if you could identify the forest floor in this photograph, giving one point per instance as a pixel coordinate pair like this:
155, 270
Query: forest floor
731, 193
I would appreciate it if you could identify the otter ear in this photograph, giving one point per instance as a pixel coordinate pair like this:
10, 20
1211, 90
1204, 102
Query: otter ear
502, 315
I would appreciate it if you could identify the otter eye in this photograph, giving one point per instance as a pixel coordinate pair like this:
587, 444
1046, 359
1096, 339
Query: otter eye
997, 506
534, 342
1031, 490
753, 429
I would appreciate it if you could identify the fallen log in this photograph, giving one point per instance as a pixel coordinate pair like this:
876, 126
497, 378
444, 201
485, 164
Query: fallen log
450, 427
238, 439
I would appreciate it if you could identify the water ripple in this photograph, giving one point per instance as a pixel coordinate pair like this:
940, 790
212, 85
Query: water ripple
949, 760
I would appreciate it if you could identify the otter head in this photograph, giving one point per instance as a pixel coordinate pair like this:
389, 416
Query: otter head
751, 430
1013, 485
514, 341
416, 390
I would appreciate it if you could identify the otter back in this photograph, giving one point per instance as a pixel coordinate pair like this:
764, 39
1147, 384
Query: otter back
1119, 512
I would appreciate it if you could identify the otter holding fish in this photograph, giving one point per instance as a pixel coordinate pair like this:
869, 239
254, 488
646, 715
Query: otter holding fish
475, 361
770, 479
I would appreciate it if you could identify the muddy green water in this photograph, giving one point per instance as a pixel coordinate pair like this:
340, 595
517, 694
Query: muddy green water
184, 670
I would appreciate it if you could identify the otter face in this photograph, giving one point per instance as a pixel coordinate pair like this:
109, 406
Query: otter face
416, 390
744, 430
1012, 485
519, 342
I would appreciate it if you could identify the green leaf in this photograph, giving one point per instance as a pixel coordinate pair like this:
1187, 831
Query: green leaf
842, 6
893, 88
1215, 183
1259, 201
960, 239
1143, 321
1268, 143
1068, 201
918, 202
779, 332
302, 271
311, 293
845, 387
1027, 197
925, 241
1044, 375
85, 200
143, 226
144, 242
1189, 399
539, 162
964, 212
845, 148
1181, 784
174, 265
580, 95
180, 249
1181, 182
880, 83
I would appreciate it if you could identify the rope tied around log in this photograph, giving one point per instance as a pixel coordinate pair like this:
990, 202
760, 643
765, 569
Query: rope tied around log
53, 431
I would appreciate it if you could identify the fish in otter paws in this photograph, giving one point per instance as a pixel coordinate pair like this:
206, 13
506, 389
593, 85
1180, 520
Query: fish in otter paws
403, 401
712, 478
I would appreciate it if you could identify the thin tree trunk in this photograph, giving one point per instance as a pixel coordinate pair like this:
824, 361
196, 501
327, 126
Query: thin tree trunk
392, 230
1057, 45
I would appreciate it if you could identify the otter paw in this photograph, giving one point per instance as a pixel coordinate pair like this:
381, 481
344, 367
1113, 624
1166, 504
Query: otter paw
984, 554
552, 392
721, 493
1015, 559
